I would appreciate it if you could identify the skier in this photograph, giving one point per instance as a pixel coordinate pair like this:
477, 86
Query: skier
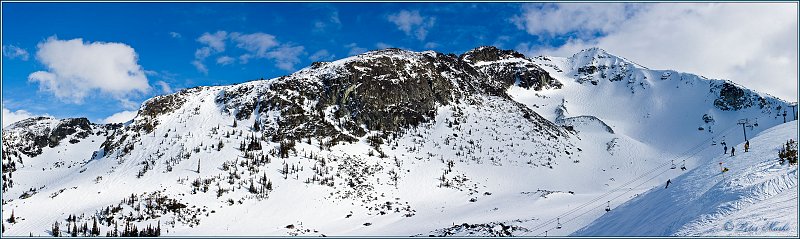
746, 146
668, 182
733, 150
726, 149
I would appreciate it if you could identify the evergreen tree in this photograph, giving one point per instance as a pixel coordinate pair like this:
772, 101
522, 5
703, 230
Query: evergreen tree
55, 231
252, 188
234, 123
256, 126
74, 229
95, 229
116, 230
12, 219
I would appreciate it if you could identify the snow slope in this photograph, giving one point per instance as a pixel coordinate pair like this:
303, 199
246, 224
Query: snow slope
757, 197
388, 142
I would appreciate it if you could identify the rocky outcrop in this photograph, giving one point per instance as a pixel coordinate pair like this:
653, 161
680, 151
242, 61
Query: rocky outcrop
510, 68
385, 90
31, 135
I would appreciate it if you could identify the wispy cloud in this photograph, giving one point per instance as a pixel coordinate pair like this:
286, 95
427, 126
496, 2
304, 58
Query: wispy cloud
412, 23
354, 49
286, 56
225, 60
13, 52
321, 55
255, 46
383, 45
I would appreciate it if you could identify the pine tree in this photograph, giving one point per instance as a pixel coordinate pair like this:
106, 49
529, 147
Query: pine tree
12, 219
116, 230
256, 126
252, 188
55, 231
95, 229
74, 229
234, 123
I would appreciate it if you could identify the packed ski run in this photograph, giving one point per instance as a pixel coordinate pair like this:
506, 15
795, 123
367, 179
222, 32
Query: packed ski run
394, 142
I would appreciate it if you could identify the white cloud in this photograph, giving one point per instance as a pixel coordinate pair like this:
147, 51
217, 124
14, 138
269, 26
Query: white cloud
244, 58
175, 35
354, 49
75, 69
12, 51
412, 23
215, 41
570, 17
200, 66
10, 117
320, 55
165, 88
120, 117
286, 56
225, 60
754, 44
257, 43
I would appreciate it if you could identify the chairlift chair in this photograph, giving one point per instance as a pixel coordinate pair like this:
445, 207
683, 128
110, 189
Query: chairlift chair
558, 223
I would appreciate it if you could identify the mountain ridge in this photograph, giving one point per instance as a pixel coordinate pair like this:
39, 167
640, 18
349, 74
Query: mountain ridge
383, 135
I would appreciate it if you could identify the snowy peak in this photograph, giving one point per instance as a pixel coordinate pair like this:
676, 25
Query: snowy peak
595, 65
508, 67
489, 53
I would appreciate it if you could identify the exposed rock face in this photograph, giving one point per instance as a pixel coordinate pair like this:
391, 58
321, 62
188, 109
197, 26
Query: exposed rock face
732, 97
384, 90
78, 126
29, 136
510, 68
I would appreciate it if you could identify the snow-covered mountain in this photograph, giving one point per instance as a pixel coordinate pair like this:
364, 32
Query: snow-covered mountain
389, 142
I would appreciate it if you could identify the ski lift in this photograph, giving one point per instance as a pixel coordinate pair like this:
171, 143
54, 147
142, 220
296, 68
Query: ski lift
673, 165
608, 207
558, 223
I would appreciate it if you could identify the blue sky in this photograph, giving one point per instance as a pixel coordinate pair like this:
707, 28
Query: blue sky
181, 45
